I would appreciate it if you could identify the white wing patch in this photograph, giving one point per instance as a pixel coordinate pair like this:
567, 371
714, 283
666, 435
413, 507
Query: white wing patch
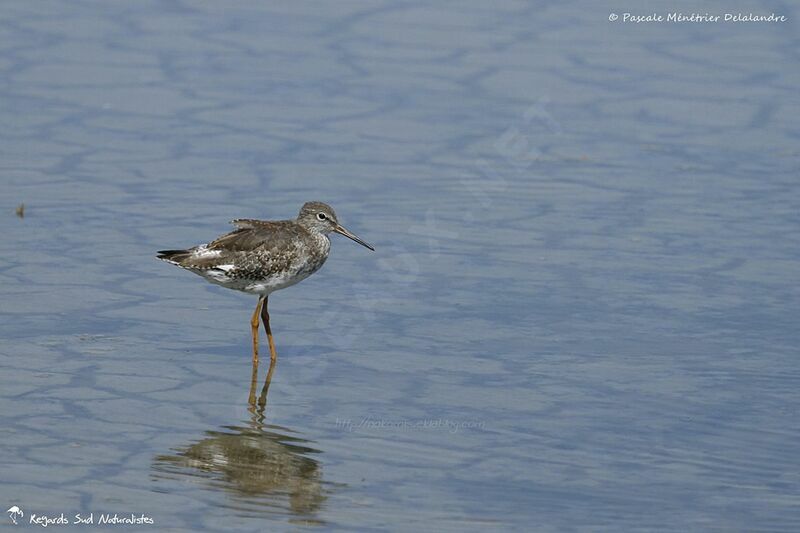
202, 252
245, 223
219, 273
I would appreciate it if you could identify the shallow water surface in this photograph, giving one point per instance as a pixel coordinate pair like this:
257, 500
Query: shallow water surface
581, 314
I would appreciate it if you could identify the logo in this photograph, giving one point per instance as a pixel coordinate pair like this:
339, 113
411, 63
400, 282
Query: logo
15, 512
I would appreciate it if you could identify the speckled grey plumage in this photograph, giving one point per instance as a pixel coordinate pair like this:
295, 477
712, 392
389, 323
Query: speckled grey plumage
261, 256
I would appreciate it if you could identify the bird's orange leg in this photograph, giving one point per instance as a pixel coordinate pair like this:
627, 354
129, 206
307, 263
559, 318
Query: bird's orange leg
254, 328
273, 355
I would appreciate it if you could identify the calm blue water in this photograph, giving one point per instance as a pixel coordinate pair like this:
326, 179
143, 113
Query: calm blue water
582, 312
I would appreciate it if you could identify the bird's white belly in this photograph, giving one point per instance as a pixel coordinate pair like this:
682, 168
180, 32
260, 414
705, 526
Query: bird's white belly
274, 283
279, 280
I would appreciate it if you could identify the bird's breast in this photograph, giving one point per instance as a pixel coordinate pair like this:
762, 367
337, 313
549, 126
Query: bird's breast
306, 258
315, 253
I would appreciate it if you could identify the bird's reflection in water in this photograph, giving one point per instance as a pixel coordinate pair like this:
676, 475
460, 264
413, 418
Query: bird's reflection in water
264, 467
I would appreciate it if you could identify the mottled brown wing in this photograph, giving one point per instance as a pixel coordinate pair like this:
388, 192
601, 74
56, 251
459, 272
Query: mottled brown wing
254, 250
253, 234
253, 223
259, 249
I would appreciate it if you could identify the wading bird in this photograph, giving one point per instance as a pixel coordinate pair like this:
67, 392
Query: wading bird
263, 256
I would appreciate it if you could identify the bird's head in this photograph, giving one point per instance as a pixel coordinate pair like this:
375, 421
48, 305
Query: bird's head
321, 218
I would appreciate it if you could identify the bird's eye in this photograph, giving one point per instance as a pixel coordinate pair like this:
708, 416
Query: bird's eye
321, 216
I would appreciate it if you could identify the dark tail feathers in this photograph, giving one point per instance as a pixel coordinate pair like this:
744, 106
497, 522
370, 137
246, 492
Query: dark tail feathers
173, 256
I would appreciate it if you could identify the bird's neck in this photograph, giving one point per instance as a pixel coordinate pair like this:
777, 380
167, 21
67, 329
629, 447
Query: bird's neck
321, 242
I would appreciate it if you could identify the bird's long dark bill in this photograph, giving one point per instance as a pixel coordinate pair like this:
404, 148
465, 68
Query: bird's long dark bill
341, 231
